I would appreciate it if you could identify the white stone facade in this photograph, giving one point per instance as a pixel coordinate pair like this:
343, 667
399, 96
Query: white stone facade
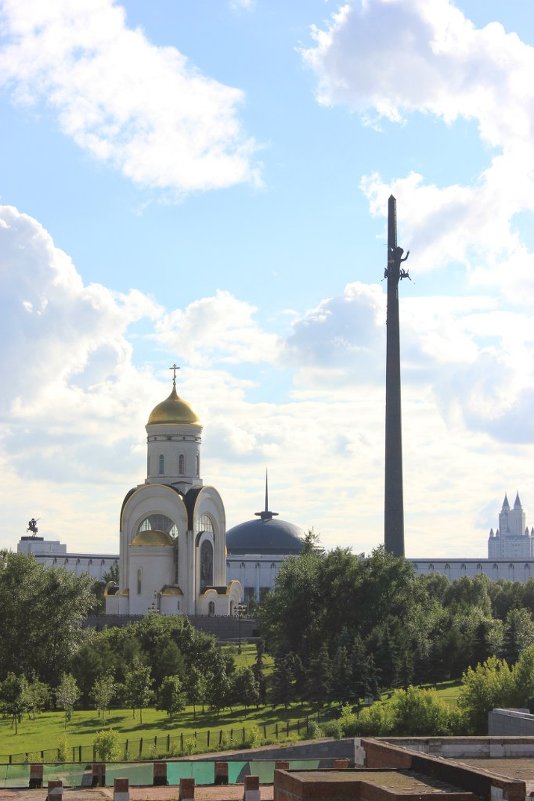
52, 553
494, 569
256, 573
512, 540
172, 528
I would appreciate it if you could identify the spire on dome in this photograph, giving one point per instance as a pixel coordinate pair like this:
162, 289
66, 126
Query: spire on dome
517, 502
505, 504
266, 514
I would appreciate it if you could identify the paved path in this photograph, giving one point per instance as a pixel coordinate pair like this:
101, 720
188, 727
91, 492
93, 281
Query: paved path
232, 792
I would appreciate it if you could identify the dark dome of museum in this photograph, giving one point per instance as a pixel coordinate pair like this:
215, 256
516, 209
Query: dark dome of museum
265, 535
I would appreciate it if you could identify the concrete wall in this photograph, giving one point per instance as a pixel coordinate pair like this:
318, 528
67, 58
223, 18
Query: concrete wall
511, 723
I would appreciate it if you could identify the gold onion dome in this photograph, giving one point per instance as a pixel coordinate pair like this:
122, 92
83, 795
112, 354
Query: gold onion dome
172, 410
152, 539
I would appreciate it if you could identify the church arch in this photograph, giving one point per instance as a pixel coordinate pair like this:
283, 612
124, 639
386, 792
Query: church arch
206, 564
158, 522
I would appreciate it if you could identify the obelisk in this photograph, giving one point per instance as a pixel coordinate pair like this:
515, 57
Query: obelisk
393, 495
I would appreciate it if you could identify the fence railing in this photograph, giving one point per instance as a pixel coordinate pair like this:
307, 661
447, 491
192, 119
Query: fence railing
180, 744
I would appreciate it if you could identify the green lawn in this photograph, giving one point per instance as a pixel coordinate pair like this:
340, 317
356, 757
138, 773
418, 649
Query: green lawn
247, 657
46, 731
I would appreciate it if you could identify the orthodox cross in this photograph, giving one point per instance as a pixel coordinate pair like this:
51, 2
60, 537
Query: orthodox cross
174, 368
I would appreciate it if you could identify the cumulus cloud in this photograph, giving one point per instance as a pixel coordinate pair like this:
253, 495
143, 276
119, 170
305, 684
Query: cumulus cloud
400, 56
342, 333
218, 328
146, 110
388, 59
70, 389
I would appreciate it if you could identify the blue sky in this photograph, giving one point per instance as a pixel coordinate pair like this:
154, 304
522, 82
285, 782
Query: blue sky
206, 183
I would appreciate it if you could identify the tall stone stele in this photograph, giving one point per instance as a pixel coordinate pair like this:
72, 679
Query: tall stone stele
173, 527
393, 491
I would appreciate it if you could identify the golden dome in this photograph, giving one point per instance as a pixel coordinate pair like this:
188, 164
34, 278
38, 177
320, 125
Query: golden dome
172, 410
152, 539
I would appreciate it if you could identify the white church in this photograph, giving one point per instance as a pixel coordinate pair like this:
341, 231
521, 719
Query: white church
172, 527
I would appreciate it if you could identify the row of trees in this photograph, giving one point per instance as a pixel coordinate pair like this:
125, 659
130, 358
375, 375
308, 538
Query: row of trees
48, 659
340, 625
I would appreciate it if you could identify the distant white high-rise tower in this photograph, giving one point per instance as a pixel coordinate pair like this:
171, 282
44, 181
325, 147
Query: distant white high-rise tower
512, 540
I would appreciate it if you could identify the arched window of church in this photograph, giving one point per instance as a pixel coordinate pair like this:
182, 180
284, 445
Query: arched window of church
158, 523
211, 608
197, 459
161, 464
139, 580
181, 464
204, 523
206, 564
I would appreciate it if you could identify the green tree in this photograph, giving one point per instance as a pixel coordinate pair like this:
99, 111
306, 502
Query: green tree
171, 696
419, 713
282, 681
195, 687
518, 634
318, 679
102, 694
245, 687
483, 688
44, 607
67, 693
523, 679
14, 698
138, 688
38, 697
259, 672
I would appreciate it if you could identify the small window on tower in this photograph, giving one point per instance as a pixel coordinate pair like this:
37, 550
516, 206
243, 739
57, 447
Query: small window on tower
198, 464
161, 464
139, 580
181, 464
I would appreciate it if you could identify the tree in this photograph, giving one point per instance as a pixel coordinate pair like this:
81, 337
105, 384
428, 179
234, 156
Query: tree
319, 677
518, 634
14, 698
420, 713
44, 607
38, 695
67, 693
171, 696
195, 687
138, 688
282, 681
487, 686
259, 673
523, 679
245, 687
102, 693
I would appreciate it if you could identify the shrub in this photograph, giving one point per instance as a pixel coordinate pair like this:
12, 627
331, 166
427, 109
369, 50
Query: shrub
63, 749
106, 745
314, 731
419, 712
376, 719
333, 729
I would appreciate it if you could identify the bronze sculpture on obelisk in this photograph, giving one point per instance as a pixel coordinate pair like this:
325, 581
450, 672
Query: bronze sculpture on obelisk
393, 494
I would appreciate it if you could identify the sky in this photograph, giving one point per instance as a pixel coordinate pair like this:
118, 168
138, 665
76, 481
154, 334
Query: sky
206, 183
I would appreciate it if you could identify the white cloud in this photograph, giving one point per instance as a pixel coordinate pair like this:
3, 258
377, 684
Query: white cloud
400, 56
390, 59
75, 405
146, 110
218, 328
